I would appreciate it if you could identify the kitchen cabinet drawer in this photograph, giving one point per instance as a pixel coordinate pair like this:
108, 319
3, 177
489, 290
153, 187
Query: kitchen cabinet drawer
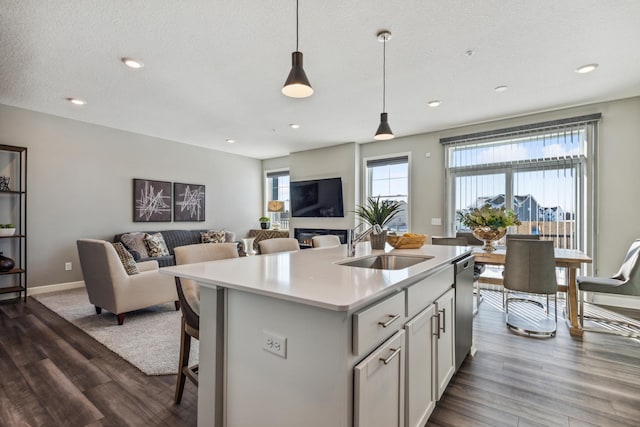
378, 322
425, 292
379, 386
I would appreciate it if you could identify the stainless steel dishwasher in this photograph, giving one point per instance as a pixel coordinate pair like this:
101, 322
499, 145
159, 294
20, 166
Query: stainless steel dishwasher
463, 283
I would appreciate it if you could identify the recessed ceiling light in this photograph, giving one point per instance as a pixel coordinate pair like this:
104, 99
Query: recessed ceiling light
586, 68
294, 126
469, 52
501, 88
132, 63
231, 141
434, 103
77, 101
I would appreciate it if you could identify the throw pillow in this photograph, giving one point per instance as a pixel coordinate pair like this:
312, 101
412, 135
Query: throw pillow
128, 262
212, 236
157, 246
135, 242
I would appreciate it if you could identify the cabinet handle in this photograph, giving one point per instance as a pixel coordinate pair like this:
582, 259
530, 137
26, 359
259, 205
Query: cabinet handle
444, 321
392, 318
437, 318
395, 351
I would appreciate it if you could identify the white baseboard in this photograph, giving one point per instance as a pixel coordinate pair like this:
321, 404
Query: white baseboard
55, 287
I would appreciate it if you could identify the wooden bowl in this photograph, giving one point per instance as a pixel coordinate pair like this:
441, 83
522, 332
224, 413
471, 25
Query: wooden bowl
407, 242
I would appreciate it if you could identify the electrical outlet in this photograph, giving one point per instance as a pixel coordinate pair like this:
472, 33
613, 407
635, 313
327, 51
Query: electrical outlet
274, 344
68, 266
436, 221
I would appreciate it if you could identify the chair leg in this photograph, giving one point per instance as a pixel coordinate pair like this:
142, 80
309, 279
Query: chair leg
120, 318
547, 309
185, 349
98, 310
581, 308
177, 304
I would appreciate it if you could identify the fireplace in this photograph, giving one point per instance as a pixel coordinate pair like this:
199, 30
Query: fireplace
304, 235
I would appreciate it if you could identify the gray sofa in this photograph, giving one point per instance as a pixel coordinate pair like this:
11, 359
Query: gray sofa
173, 239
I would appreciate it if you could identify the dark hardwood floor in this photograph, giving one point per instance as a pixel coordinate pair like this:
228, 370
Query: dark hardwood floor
561, 381
52, 374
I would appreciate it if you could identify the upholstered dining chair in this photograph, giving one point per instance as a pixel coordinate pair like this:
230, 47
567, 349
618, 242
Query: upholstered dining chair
626, 282
449, 241
477, 269
530, 268
471, 239
189, 294
327, 241
279, 244
522, 237
110, 287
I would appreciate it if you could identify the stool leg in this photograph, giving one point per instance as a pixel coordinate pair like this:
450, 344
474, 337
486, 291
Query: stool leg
185, 349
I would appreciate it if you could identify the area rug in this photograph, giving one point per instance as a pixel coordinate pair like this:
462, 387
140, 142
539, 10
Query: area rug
149, 339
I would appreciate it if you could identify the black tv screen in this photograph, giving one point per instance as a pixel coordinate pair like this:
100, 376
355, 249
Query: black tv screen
316, 198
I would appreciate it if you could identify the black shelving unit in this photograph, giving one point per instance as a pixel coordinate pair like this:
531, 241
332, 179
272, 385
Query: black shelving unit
13, 210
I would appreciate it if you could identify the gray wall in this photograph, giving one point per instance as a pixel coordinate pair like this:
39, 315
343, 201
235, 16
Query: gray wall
617, 161
80, 185
331, 162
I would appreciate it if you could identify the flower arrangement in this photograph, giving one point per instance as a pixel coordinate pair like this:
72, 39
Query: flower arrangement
486, 216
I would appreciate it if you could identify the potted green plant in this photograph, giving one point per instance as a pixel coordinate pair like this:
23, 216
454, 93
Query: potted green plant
488, 224
265, 222
380, 212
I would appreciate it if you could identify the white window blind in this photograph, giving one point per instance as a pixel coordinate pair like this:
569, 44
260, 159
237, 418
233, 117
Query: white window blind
544, 172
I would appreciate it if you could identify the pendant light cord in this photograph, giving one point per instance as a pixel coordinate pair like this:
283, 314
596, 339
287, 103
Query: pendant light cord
384, 73
296, 25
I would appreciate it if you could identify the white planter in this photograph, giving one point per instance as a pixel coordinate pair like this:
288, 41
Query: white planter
7, 231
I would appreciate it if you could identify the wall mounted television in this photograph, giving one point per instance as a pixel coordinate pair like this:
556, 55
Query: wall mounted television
316, 198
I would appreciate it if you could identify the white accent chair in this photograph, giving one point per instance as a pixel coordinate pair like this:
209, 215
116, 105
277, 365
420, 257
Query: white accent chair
279, 244
626, 282
327, 241
110, 287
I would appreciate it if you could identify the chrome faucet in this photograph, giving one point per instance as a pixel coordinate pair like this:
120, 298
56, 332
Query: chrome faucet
353, 239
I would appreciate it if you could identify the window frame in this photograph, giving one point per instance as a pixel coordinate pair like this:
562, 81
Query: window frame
366, 181
585, 168
266, 190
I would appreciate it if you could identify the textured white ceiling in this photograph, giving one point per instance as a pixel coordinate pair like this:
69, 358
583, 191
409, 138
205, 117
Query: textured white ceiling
214, 69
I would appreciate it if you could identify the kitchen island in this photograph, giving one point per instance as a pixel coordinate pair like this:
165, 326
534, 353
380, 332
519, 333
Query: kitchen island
298, 338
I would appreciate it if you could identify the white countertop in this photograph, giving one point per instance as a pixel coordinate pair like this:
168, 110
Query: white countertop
315, 276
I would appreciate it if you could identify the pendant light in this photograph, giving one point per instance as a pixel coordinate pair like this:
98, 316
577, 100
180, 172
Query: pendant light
297, 84
384, 131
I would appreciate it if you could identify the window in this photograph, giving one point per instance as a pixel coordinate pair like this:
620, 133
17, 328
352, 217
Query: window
277, 188
388, 178
544, 172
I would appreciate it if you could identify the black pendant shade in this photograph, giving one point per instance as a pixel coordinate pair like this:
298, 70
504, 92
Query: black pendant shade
384, 130
297, 84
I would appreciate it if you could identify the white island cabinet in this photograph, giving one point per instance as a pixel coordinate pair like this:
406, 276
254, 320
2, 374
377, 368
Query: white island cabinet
297, 338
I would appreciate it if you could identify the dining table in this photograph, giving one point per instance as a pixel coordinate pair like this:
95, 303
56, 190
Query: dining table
569, 259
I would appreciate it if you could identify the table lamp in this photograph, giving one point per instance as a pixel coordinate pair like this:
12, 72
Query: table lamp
276, 206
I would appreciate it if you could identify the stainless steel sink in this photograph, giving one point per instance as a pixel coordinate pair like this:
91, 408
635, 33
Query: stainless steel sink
387, 262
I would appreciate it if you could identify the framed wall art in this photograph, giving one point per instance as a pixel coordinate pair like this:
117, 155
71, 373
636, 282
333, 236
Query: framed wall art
188, 202
151, 201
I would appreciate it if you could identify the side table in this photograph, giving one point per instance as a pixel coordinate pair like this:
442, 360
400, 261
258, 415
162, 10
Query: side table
259, 234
